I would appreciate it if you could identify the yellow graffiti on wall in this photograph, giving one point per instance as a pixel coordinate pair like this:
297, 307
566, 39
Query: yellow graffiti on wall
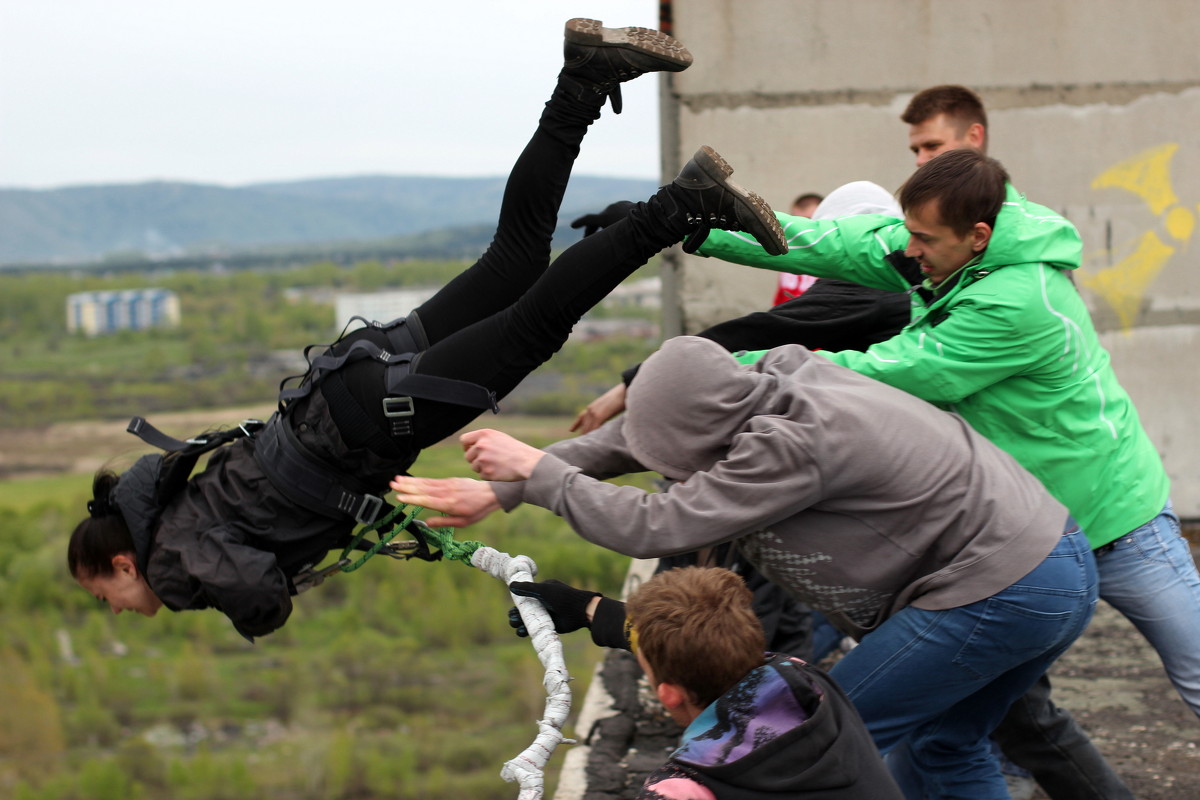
1123, 285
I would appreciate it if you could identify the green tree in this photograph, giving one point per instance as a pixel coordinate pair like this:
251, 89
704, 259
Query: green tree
31, 734
195, 673
104, 780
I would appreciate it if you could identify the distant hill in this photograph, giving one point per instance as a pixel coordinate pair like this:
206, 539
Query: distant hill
172, 220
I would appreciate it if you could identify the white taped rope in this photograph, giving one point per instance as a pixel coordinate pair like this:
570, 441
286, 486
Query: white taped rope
526, 769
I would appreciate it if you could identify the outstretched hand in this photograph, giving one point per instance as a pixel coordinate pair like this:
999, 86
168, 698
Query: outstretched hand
591, 223
494, 455
462, 501
497, 456
600, 410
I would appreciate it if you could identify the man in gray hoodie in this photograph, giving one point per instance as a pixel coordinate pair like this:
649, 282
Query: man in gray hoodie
895, 520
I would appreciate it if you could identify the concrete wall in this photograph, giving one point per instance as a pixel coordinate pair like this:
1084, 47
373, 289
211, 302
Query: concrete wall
1093, 107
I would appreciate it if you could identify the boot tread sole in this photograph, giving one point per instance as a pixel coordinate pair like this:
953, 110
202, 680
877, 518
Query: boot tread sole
714, 165
645, 40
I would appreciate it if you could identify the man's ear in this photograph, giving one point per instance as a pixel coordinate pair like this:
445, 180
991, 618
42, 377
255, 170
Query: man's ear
976, 136
671, 695
981, 234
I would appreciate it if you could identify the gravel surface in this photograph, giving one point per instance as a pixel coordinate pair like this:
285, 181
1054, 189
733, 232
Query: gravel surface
1111, 680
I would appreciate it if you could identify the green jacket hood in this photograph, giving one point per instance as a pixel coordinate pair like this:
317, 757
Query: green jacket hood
1029, 233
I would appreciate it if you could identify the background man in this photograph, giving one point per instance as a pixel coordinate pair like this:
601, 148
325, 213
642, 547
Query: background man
791, 286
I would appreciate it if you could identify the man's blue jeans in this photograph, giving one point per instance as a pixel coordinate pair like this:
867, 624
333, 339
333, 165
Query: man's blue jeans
1149, 575
940, 681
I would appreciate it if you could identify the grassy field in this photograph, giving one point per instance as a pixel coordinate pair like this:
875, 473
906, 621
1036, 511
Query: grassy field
401, 679
22, 494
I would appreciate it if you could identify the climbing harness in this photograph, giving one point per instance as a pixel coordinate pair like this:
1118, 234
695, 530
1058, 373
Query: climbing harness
301, 477
396, 345
309, 482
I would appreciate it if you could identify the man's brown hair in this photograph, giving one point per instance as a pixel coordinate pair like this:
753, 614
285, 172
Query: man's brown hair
957, 102
968, 186
807, 197
696, 629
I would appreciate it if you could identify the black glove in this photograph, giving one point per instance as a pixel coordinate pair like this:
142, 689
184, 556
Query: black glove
608, 625
615, 212
566, 605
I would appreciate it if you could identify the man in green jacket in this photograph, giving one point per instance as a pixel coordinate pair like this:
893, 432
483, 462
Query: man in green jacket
1000, 335
1037, 734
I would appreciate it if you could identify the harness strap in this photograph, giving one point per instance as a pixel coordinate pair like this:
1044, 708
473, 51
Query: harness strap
313, 485
152, 436
356, 426
361, 349
402, 382
306, 481
201, 443
186, 452
403, 335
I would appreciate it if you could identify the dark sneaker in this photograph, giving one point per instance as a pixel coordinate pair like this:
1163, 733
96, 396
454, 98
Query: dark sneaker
601, 59
711, 200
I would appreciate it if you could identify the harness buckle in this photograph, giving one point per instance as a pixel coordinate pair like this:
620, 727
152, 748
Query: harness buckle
397, 407
368, 512
309, 577
249, 427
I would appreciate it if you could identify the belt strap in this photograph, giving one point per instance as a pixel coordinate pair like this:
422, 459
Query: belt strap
402, 382
306, 481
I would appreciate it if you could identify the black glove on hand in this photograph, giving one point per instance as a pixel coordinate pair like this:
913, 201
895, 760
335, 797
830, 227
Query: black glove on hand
608, 624
566, 605
597, 222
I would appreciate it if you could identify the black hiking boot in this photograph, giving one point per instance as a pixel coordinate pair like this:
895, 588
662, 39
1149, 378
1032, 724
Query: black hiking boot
707, 199
600, 59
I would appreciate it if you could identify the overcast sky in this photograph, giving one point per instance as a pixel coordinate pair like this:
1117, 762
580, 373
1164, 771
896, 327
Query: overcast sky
237, 91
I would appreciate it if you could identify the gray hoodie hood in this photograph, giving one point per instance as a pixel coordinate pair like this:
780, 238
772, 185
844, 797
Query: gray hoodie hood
688, 402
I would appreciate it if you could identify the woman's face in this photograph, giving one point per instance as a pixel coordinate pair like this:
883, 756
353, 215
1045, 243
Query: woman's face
124, 590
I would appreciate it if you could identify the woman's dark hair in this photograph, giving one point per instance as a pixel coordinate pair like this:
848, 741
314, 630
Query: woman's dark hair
100, 536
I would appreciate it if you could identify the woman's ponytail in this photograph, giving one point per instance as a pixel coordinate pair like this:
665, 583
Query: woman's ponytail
102, 534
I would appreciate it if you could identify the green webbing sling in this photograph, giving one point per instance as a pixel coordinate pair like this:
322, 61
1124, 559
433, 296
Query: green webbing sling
441, 538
